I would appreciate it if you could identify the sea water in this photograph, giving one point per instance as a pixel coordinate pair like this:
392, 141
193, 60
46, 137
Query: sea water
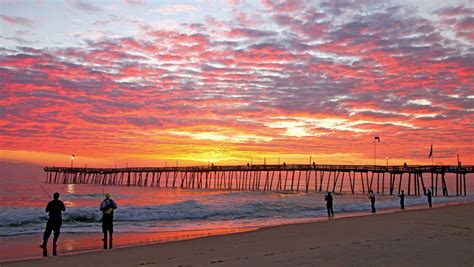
161, 210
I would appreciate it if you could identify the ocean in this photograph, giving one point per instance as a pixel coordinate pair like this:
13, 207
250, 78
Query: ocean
170, 212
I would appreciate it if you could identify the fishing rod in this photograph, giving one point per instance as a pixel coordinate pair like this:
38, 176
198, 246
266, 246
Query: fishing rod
44, 191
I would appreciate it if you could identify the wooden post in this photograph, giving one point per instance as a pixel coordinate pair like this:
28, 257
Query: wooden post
350, 182
400, 183
336, 178
383, 183
369, 186
279, 182
432, 184
464, 178
457, 186
321, 176
342, 182
409, 182
183, 179
315, 180
158, 180
445, 187
292, 180
271, 182
336, 174
298, 184
423, 183
308, 176
378, 181
329, 180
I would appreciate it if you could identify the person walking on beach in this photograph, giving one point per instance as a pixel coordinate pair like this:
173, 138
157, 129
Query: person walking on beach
429, 197
329, 199
372, 200
402, 200
54, 208
107, 207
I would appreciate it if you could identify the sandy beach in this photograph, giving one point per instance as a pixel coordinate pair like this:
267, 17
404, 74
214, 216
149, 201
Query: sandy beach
435, 237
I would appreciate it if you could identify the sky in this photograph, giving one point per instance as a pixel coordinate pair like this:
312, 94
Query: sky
155, 83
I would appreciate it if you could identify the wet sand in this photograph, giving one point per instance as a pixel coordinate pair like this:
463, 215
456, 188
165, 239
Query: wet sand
433, 237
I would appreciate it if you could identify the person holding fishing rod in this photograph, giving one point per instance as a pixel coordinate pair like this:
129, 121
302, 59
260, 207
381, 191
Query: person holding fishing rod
107, 207
55, 208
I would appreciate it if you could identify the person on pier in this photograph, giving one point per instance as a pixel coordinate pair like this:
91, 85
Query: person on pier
402, 200
55, 208
372, 200
428, 194
329, 199
107, 207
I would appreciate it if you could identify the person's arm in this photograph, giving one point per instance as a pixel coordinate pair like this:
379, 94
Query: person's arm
63, 208
102, 206
114, 205
47, 207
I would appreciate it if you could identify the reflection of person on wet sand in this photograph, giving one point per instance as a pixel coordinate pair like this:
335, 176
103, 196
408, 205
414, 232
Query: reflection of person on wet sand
55, 208
107, 207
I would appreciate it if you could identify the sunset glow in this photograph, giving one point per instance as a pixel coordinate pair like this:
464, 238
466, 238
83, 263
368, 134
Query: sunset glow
150, 83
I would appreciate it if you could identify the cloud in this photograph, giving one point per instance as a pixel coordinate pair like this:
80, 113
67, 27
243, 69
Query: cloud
135, 2
320, 77
84, 5
16, 20
175, 9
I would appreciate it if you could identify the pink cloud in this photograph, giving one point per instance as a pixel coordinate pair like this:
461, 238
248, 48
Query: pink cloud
16, 20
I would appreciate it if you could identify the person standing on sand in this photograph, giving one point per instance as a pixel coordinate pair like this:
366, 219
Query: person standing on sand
429, 197
55, 208
402, 200
329, 199
107, 207
372, 200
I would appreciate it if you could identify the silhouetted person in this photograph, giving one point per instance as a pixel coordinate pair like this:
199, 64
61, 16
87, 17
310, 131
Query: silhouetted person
329, 199
372, 200
402, 200
55, 208
107, 207
429, 197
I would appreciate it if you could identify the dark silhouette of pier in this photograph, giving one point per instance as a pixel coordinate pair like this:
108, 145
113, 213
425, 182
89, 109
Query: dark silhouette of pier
286, 177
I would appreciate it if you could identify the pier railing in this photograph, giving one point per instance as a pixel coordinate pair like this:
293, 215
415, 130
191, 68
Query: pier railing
286, 177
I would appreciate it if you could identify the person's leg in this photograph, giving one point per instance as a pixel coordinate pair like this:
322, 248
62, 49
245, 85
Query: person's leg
329, 210
46, 235
104, 231
332, 211
57, 232
111, 230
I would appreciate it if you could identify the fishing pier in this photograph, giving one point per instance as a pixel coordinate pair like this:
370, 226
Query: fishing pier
415, 180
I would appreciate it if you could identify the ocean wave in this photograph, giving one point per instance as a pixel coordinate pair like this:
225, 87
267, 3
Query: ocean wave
14, 220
